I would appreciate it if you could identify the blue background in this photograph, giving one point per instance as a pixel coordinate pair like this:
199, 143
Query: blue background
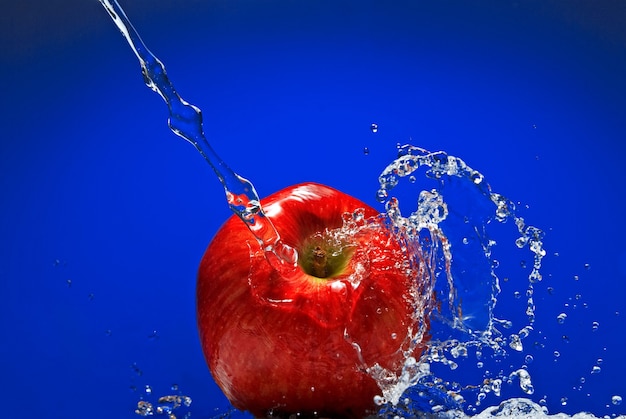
105, 214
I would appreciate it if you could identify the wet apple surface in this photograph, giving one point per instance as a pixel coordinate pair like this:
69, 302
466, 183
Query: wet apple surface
302, 342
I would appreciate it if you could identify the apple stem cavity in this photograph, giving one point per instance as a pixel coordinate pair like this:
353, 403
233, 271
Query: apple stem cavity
324, 258
319, 267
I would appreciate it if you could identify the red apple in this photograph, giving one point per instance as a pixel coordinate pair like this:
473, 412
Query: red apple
300, 343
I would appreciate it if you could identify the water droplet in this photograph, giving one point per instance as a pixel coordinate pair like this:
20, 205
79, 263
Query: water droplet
394, 336
69, 283
599, 361
412, 179
596, 369
525, 382
144, 408
366, 151
381, 195
561, 318
528, 359
154, 335
616, 400
517, 294
459, 350
312, 388
595, 326
481, 396
587, 266
576, 277
557, 354
534, 126
374, 128
148, 389
582, 380
479, 364
516, 343
525, 331
521, 242
565, 338
174, 387
496, 387
563, 401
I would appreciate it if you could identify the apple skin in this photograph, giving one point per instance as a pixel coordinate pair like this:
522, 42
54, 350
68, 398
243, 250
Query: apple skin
284, 344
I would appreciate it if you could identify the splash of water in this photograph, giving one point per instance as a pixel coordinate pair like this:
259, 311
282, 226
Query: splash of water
452, 225
185, 120
169, 405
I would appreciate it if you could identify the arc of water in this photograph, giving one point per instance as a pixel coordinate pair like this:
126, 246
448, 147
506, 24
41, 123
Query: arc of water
185, 120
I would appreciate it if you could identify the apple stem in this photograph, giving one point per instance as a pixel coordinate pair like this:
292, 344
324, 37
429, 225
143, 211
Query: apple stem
320, 263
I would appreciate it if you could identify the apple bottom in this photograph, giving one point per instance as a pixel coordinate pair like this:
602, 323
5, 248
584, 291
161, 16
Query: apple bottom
297, 369
278, 345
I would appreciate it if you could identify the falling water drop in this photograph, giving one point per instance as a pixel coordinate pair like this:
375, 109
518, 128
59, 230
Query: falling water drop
516, 343
374, 128
525, 382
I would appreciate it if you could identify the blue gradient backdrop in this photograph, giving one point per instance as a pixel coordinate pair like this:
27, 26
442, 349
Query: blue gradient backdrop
105, 214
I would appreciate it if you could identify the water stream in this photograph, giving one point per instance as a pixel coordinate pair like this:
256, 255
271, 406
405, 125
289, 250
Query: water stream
185, 120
